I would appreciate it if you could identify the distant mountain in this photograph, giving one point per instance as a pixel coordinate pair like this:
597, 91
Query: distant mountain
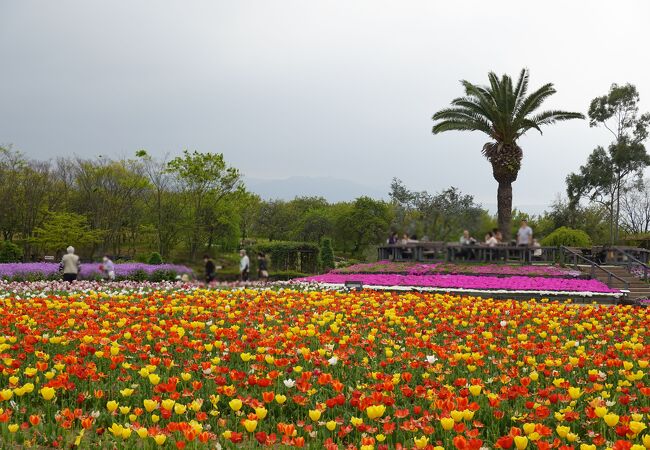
332, 189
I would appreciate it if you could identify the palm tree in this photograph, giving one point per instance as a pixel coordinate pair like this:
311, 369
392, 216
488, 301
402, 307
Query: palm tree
504, 113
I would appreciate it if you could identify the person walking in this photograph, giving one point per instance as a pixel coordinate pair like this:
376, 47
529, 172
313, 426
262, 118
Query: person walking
525, 238
70, 265
210, 269
244, 266
262, 267
108, 268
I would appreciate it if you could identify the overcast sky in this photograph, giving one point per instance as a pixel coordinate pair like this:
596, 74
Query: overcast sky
312, 88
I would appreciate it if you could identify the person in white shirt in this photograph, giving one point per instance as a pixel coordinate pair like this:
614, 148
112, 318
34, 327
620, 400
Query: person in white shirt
491, 240
524, 234
525, 238
244, 265
70, 265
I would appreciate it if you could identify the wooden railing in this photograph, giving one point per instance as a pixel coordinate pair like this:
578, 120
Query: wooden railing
633, 265
443, 251
579, 259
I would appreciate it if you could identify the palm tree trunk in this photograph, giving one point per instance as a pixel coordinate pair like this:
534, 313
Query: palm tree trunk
504, 209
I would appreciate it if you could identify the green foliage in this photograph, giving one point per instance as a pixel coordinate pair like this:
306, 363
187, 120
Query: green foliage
62, 229
10, 252
205, 181
605, 177
326, 255
567, 237
155, 259
363, 223
291, 256
440, 217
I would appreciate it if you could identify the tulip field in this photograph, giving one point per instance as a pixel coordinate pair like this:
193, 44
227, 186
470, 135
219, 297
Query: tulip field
178, 366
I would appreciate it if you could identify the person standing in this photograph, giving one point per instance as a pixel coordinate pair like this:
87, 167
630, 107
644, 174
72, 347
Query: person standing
262, 267
525, 238
70, 265
210, 269
244, 265
108, 268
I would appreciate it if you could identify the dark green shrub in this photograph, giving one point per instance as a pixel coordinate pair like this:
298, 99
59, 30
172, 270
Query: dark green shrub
163, 275
300, 257
10, 252
138, 275
567, 237
326, 255
155, 258
141, 258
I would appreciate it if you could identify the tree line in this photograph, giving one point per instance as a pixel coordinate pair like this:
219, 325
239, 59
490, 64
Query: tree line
196, 203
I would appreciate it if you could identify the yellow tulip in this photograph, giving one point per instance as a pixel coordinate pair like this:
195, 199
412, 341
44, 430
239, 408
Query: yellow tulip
6, 394
646, 441
13, 427
160, 439
375, 411
562, 431
421, 442
167, 404
112, 405
521, 442
261, 412
155, 418
600, 411
126, 433
116, 429
447, 423
48, 393
154, 379
468, 414
314, 414
125, 410
571, 437
179, 409
250, 425
150, 405
280, 398
475, 389
331, 425
126, 392
575, 393
356, 421
245, 357
235, 404
529, 428
611, 419
380, 438
636, 426
588, 447
457, 415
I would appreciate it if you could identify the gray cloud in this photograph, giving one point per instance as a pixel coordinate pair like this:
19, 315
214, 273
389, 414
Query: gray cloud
318, 88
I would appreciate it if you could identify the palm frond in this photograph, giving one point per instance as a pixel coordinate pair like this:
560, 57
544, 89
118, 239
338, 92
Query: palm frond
550, 117
533, 101
447, 125
500, 109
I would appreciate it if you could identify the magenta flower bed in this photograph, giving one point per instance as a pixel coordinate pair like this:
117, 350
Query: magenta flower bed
411, 268
511, 283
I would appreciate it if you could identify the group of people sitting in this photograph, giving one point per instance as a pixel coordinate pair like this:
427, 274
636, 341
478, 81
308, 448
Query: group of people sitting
493, 238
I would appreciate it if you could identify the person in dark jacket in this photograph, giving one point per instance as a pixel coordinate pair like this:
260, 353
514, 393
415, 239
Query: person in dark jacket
262, 267
210, 269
